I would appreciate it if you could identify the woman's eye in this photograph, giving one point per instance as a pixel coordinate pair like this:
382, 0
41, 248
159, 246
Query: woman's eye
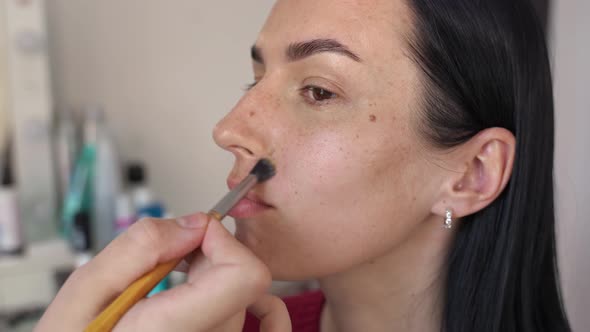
318, 94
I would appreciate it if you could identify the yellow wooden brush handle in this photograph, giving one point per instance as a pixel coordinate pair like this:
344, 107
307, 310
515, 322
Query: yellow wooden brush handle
107, 319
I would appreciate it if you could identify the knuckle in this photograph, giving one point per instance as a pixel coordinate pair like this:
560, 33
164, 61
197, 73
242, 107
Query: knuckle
145, 233
258, 278
80, 276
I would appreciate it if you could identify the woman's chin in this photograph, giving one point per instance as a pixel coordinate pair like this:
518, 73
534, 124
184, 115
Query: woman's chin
280, 266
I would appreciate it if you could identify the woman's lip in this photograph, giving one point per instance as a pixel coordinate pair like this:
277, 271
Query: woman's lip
247, 208
251, 196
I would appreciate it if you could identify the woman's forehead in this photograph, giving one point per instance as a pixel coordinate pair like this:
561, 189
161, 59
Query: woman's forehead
363, 25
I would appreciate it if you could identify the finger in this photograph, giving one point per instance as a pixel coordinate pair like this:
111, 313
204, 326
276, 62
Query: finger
273, 314
128, 257
198, 265
137, 251
234, 279
221, 247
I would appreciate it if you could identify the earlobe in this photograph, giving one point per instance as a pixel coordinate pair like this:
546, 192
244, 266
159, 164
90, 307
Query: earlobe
487, 161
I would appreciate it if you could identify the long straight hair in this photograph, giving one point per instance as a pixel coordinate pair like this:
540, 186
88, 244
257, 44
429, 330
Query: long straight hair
485, 64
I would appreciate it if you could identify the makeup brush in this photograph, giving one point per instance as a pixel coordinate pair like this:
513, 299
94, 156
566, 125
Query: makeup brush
108, 318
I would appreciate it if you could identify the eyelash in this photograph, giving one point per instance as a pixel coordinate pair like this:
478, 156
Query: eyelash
305, 91
249, 86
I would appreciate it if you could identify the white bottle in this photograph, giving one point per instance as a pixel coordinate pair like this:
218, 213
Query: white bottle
65, 149
141, 195
125, 213
11, 238
106, 184
10, 229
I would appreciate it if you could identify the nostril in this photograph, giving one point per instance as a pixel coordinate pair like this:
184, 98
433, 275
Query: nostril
248, 151
241, 149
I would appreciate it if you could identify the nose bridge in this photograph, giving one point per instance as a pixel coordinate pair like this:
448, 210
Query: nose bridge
243, 130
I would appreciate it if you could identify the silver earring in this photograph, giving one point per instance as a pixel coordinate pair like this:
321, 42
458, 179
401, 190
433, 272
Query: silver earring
448, 219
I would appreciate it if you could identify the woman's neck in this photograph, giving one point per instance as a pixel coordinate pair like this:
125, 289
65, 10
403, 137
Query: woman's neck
402, 290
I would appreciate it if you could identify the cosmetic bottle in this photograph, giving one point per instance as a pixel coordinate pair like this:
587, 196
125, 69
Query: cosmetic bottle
11, 237
106, 185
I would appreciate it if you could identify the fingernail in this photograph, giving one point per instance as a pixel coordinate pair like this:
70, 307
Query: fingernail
193, 221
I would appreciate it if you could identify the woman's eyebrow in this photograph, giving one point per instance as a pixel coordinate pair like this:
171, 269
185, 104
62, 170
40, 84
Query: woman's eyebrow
301, 50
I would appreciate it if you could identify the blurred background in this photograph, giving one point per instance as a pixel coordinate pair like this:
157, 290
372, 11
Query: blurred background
106, 113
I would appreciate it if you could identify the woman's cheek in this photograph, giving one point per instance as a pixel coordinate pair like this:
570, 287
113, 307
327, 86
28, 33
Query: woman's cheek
315, 166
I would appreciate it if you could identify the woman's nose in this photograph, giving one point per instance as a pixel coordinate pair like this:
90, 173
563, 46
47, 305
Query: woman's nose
242, 131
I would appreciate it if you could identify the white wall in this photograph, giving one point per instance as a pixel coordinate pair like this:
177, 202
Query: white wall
166, 72
571, 55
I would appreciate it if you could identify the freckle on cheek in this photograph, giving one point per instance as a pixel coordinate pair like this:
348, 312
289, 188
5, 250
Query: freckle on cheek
252, 114
372, 117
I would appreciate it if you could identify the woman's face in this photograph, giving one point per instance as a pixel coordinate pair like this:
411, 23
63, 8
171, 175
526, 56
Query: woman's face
335, 108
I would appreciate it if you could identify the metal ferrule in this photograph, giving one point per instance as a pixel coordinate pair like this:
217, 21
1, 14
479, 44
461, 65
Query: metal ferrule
233, 197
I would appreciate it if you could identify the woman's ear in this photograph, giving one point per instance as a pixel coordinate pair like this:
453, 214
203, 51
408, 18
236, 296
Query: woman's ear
483, 166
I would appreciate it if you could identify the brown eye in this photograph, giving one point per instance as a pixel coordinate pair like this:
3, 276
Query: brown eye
319, 94
315, 94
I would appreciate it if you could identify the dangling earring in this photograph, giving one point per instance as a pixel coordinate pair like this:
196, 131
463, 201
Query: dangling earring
448, 219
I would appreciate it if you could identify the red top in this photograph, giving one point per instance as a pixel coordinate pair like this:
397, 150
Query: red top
305, 311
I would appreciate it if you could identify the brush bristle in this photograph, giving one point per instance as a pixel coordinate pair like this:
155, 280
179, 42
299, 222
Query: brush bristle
263, 170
